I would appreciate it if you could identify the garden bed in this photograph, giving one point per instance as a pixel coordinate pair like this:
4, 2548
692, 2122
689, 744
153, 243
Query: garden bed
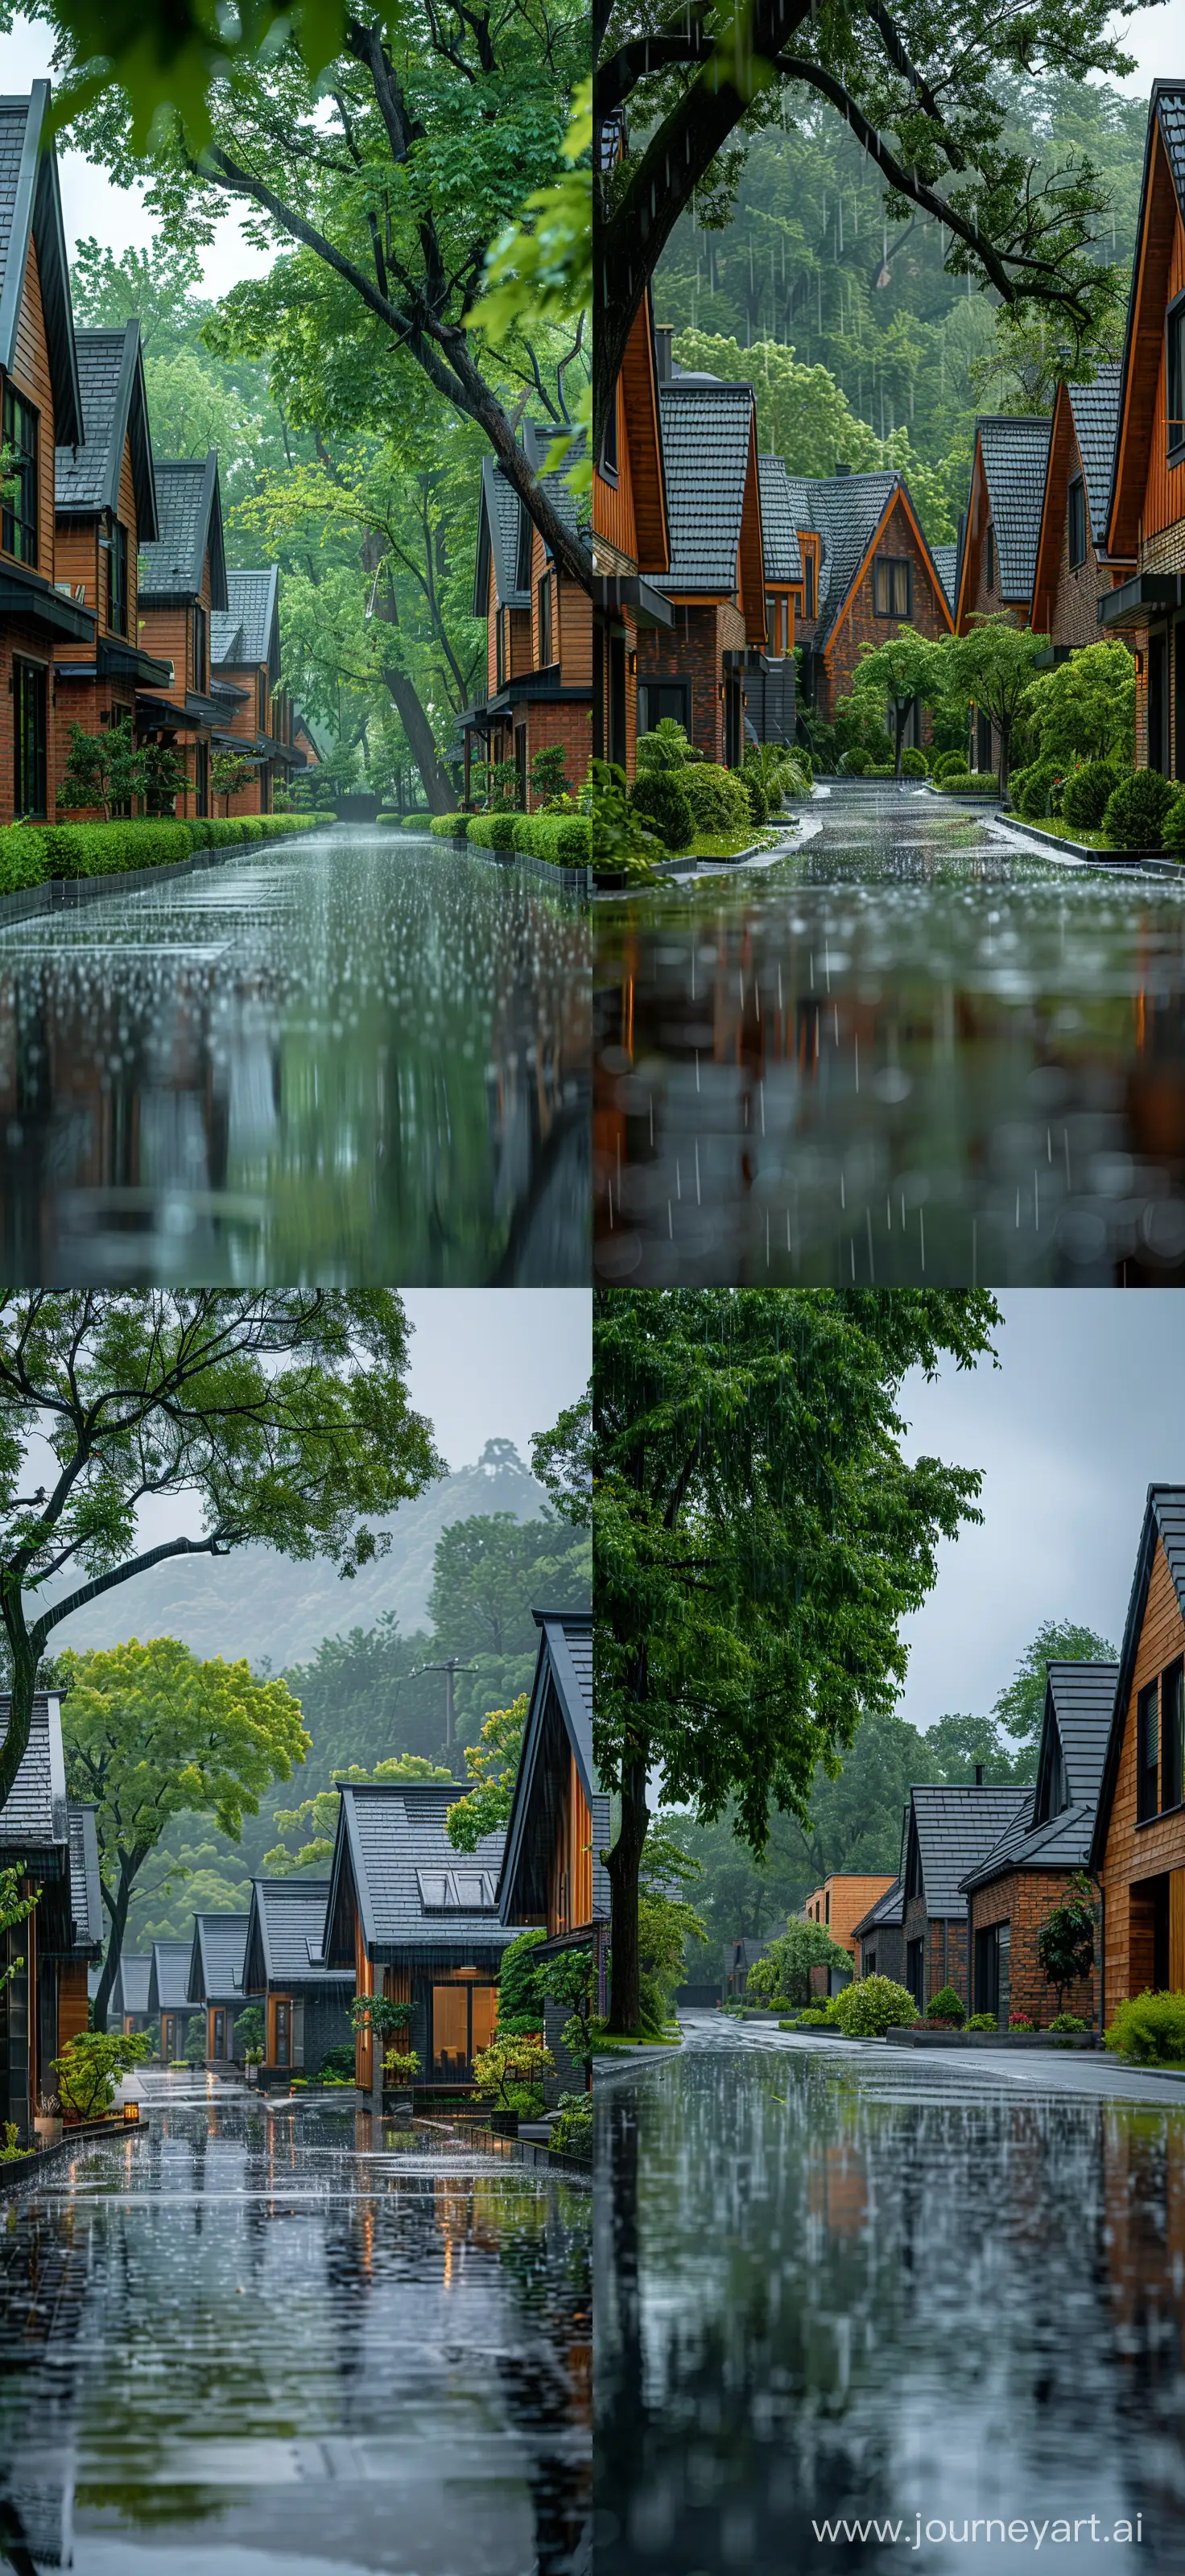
23, 2168
920, 2037
1154, 861
61, 894
571, 880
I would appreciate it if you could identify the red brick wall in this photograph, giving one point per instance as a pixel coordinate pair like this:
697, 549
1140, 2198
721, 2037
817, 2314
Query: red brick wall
859, 624
693, 649
946, 1947
1023, 1900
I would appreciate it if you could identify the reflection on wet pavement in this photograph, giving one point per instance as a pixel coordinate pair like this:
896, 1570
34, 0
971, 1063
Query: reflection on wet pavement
916, 1052
363, 1060
864, 2288
294, 2343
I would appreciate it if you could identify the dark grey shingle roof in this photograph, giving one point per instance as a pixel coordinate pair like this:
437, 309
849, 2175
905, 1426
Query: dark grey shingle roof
114, 410
558, 1727
706, 429
216, 1960
1168, 99
1062, 1842
31, 209
1084, 1703
779, 536
1015, 455
189, 517
393, 1832
243, 632
957, 1826
168, 1983
845, 510
888, 1909
130, 1991
34, 1814
287, 1920
86, 1903
1096, 424
946, 565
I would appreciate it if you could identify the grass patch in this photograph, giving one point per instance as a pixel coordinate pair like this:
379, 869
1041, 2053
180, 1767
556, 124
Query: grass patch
1061, 831
671, 2037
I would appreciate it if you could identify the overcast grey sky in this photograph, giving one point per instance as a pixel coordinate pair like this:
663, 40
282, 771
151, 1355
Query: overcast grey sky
1084, 1412
496, 1363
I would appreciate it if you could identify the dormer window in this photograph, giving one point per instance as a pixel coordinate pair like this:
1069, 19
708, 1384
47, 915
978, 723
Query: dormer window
18, 518
808, 574
456, 1891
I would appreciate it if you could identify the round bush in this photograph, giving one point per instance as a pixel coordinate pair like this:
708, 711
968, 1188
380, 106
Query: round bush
947, 2005
1135, 811
1067, 2021
1036, 794
1172, 833
758, 801
981, 2021
661, 797
854, 764
872, 2005
953, 779
914, 763
717, 798
812, 2017
1087, 793
949, 764
1149, 2030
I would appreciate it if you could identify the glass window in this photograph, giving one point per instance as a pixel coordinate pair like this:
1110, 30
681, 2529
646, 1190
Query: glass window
1174, 345
283, 2031
808, 573
609, 442
219, 2049
989, 559
117, 580
1172, 1783
450, 2032
891, 586
545, 650
484, 2015
500, 647
18, 521
1147, 1752
200, 667
28, 747
1076, 503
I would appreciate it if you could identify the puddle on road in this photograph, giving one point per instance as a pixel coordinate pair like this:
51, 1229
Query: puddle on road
363, 1060
247, 2345
913, 1054
820, 2295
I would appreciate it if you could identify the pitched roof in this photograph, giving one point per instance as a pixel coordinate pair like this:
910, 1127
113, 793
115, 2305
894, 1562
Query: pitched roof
1015, 452
1096, 421
34, 1815
1164, 1522
129, 1994
707, 430
216, 1959
888, 1909
558, 1722
189, 517
779, 536
114, 408
414, 1892
1061, 1842
247, 629
957, 1825
31, 210
946, 564
168, 1980
286, 1934
504, 527
86, 1902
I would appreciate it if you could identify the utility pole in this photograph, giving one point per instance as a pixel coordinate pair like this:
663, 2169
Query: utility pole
451, 1666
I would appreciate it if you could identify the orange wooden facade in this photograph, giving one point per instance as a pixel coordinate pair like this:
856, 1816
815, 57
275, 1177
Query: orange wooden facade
1143, 1871
842, 1901
570, 1896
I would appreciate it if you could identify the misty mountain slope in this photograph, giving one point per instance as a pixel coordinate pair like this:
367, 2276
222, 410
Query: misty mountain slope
270, 1608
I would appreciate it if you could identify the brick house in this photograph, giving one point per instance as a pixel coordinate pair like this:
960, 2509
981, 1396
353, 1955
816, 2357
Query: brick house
696, 669
1073, 569
770, 711
40, 411
216, 1981
948, 1829
105, 507
879, 1936
305, 2005
631, 545
51, 1841
552, 1872
245, 650
867, 571
182, 585
1138, 1846
842, 1901
1146, 518
998, 549
539, 633
1035, 1864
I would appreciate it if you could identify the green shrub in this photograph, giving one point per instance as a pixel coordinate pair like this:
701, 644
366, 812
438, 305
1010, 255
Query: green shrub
758, 800
661, 798
492, 831
22, 858
571, 2134
872, 2005
947, 2005
881, 769
665, 746
949, 764
414, 822
1035, 792
914, 763
1173, 828
717, 798
1135, 811
953, 781
1068, 2021
1149, 2030
854, 764
1087, 793
98, 849
981, 2021
338, 2061
564, 840
812, 2017
445, 827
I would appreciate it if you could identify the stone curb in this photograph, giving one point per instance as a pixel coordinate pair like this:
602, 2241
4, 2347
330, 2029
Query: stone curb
14, 2176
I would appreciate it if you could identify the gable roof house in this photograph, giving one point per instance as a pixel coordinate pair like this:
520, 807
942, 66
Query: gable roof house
168, 1997
538, 692
867, 571
553, 1875
694, 670
418, 1923
1002, 527
1146, 516
1138, 1845
879, 1936
105, 508
36, 1838
182, 585
306, 2006
216, 1980
245, 649
40, 410
1074, 572
631, 544
1041, 1853
128, 2005
947, 1830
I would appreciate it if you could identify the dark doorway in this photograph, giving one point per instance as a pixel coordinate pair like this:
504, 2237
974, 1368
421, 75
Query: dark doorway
733, 720
915, 1972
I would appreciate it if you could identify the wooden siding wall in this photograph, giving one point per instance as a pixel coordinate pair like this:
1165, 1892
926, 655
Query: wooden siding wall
1136, 1853
397, 1989
570, 1896
363, 1985
1164, 488
31, 377
613, 505
72, 2001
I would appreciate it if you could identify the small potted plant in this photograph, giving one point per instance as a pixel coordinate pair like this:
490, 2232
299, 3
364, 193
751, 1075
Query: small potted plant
400, 2069
252, 2061
508, 2074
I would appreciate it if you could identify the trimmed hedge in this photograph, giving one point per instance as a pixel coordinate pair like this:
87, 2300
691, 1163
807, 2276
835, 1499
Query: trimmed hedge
446, 827
914, 763
564, 840
32, 853
22, 858
1087, 793
718, 797
493, 831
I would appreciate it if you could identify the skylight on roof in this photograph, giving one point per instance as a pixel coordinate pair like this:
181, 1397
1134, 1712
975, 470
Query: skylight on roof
456, 1891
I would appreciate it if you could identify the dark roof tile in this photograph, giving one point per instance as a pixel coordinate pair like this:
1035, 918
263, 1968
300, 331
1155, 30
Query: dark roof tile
1095, 410
779, 536
706, 430
957, 1826
1015, 454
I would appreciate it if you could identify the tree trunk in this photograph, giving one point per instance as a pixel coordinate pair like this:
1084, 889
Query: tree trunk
1005, 723
405, 697
25, 1657
623, 1863
118, 1912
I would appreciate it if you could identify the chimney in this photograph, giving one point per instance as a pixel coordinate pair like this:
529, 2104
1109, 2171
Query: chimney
664, 333
843, 469
979, 1775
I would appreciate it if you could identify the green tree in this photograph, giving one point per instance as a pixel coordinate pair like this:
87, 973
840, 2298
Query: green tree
488, 1576
15, 1908
150, 1733
784, 1975
102, 770
250, 2029
1085, 709
492, 1764
758, 1537
1066, 1940
570, 1980
229, 774
280, 1416
994, 665
522, 1990
1020, 1707
314, 1822
89, 2066
194, 2050
907, 668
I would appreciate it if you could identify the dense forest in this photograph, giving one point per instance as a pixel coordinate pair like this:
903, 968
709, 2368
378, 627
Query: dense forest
862, 348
